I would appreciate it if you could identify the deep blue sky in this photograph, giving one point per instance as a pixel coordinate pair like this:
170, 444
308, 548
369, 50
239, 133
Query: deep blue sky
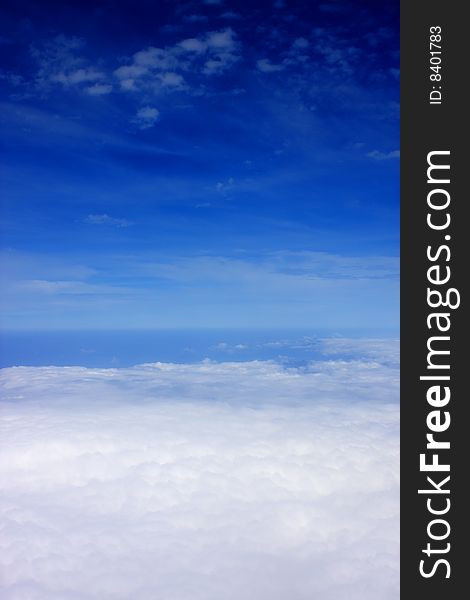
200, 164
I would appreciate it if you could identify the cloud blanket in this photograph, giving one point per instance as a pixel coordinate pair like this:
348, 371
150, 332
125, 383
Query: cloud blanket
211, 481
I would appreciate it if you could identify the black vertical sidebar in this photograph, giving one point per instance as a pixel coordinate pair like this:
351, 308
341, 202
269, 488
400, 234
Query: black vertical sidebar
434, 120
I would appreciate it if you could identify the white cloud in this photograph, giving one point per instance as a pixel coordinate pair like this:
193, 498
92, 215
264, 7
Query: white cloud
59, 63
159, 58
387, 352
247, 290
146, 117
56, 289
222, 50
202, 481
223, 187
130, 71
193, 45
278, 269
221, 39
15, 265
301, 43
104, 219
195, 19
384, 351
147, 68
99, 89
215, 65
128, 84
378, 155
266, 66
77, 76
172, 80
230, 14
208, 54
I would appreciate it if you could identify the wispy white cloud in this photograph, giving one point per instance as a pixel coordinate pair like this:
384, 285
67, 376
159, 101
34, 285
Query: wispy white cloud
186, 65
224, 187
77, 76
321, 288
301, 43
16, 265
59, 63
230, 14
193, 45
195, 18
105, 219
278, 267
339, 60
62, 62
208, 54
378, 155
146, 117
172, 80
13, 79
221, 39
385, 351
222, 49
69, 287
99, 89
266, 66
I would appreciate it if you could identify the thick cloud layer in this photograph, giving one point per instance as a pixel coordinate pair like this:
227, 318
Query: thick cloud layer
201, 482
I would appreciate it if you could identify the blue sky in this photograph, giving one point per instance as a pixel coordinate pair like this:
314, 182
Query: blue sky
206, 164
